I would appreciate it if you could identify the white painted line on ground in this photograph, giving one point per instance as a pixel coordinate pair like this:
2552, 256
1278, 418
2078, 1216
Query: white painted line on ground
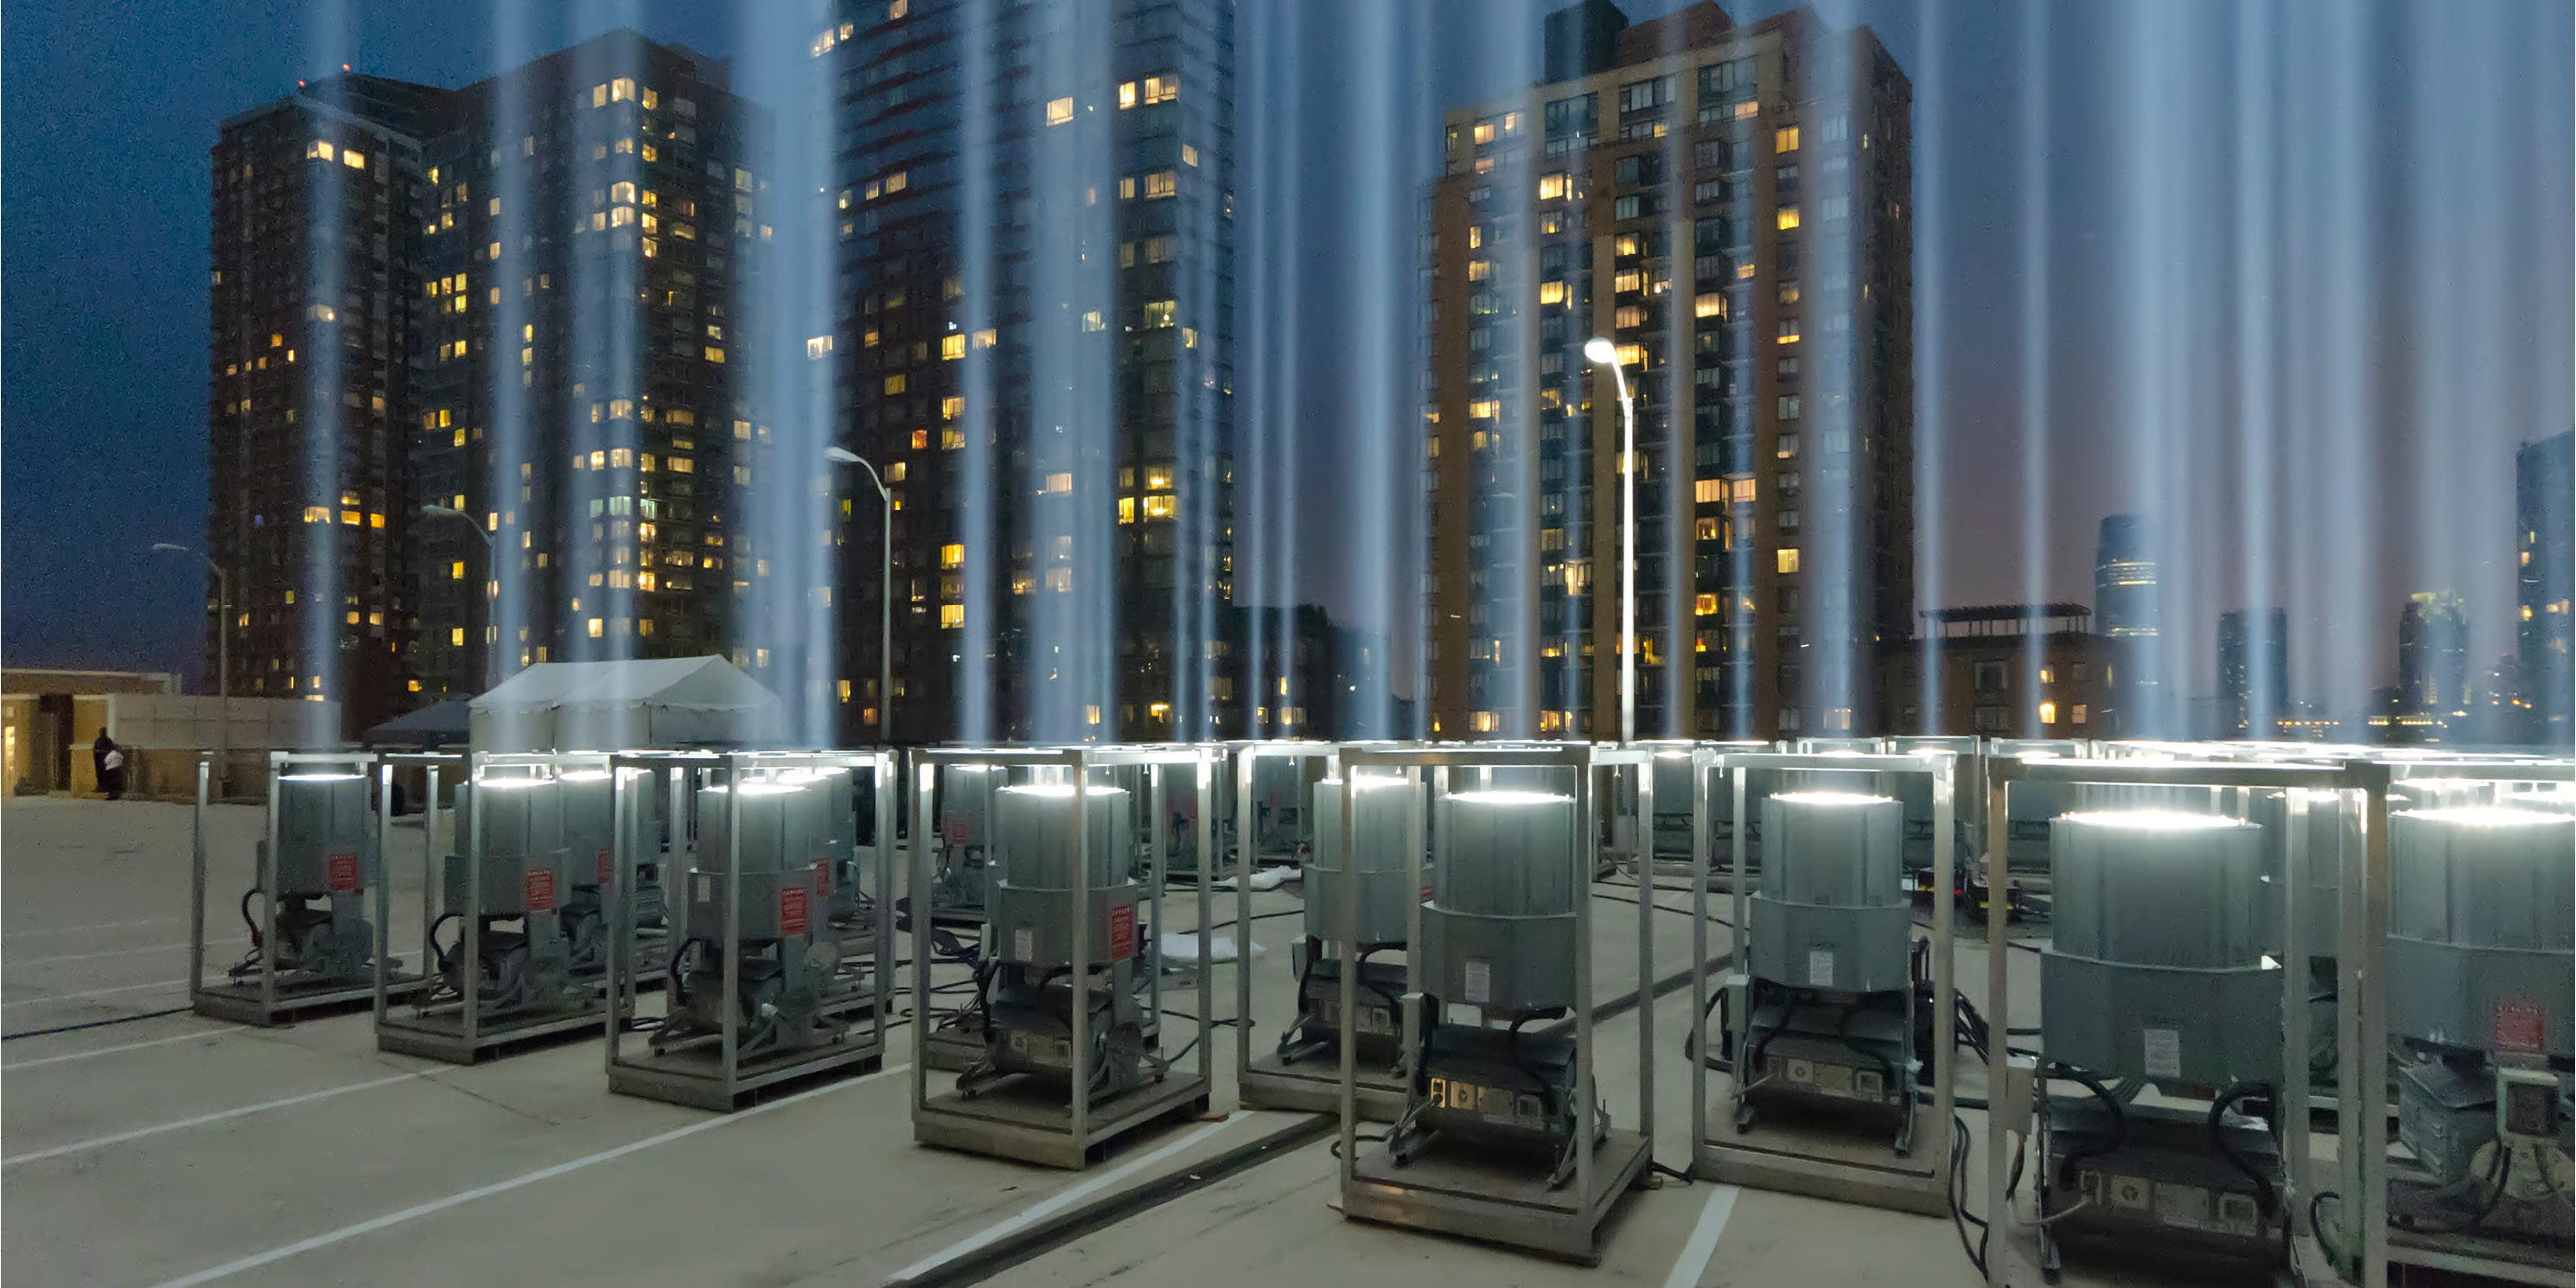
82, 957
101, 1142
16, 1065
95, 992
1703, 1237
434, 1206
1040, 1211
101, 925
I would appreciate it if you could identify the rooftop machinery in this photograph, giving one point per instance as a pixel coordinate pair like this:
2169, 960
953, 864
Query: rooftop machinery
1275, 796
1302, 1069
2477, 1012
312, 946
1068, 984
1835, 1013
959, 882
762, 986
1504, 1135
523, 897
2163, 1128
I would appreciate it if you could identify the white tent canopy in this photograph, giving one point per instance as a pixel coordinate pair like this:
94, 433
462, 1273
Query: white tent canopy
614, 706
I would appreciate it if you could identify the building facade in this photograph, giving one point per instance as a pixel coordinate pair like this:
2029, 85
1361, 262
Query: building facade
2433, 656
2253, 672
1728, 205
310, 384
2000, 671
1035, 348
2545, 589
593, 224
514, 303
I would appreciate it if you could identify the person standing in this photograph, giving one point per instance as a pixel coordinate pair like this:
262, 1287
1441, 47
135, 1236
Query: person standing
109, 760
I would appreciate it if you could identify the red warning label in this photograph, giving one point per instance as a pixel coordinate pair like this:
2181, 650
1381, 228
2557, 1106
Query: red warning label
957, 830
791, 910
822, 878
2520, 1025
343, 873
607, 866
540, 883
1122, 932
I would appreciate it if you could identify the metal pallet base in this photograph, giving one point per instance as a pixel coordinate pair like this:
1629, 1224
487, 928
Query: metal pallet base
240, 1004
951, 1050
1476, 1195
694, 1078
1314, 1086
2498, 1260
1030, 1122
1810, 1149
441, 1037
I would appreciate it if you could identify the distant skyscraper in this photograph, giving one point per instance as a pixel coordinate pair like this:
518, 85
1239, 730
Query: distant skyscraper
1730, 207
2433, 655
1036, 344
316, 309
2253, 672
2127, 607
2545, 583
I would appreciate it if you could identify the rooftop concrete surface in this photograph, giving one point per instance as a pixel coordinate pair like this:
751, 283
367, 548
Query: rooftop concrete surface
178, 1150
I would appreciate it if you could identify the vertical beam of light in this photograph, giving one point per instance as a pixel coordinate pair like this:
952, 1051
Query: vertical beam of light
1931, 359
1377, 287
1073, 454
1411, 621
1834, 393
1666, 437
515, 469
2152, 281
1288, 438
322, 596
2348, 434
2256, 104
1267, 379
1514, 554
1202, 402
606, 379
981, 533
785, 304
2033, 227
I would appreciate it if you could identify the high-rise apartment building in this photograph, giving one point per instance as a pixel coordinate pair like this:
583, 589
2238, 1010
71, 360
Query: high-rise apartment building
516, 302
2545, 588
310, 389
593, 224
2433, 655
2128, 607
1035, 347
2253, 672
1730, 206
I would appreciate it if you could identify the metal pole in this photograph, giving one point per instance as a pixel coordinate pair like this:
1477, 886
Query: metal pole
197, 893
1999, 1021
1627, 559
885, 617
1645, 773
223, 670
1700, 762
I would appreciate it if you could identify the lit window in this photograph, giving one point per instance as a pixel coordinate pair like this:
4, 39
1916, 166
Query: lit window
1058, 483
1788, 559
1710, 491
951, 407
2079, 713
1788, 330
1059, 111
1189, 155
952, 555
1162, 89
952, 616
952, 347
1551, 292
353, 159
1554, 186
456, 637
594, 628
1158, 313
987, 338
1788, 217
1092, 321
621, 89
1158, 478
2048, 713
1158, 507
318, 148
1127, 96
1126, 509
817, 346
1704, 606
920, 439
1710, 305
1485, 408
1785, 139
1162, 183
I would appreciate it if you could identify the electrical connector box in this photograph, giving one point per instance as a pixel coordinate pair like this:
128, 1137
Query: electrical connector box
2526, 1103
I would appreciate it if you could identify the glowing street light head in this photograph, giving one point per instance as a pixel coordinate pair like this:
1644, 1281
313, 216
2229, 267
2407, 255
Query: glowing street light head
1598, 349
841, 454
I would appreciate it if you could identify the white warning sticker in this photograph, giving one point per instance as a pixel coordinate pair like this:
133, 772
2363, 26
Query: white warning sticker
1024, 944
2163, 1052
1820, 968
1480, 982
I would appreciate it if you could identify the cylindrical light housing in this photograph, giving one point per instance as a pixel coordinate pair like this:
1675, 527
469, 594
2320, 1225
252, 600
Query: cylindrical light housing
1377, 843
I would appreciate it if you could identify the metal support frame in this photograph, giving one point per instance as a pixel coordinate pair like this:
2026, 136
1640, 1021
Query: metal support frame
1263, 1082
468, 1035
1918, 1181
1495, 1200
265, 1003
2363, 1173
2361, 1011
724, 1082
1018, 1126
388, 986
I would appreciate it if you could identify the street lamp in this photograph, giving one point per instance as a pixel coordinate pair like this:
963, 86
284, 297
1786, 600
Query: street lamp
885, 592
1605, 354
223, 657
492, 646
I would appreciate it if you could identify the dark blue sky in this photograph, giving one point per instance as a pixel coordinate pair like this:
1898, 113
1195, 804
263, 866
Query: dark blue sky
110, 110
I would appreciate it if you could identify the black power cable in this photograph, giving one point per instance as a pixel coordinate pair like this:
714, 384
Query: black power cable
2264, 1197
93, 1024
